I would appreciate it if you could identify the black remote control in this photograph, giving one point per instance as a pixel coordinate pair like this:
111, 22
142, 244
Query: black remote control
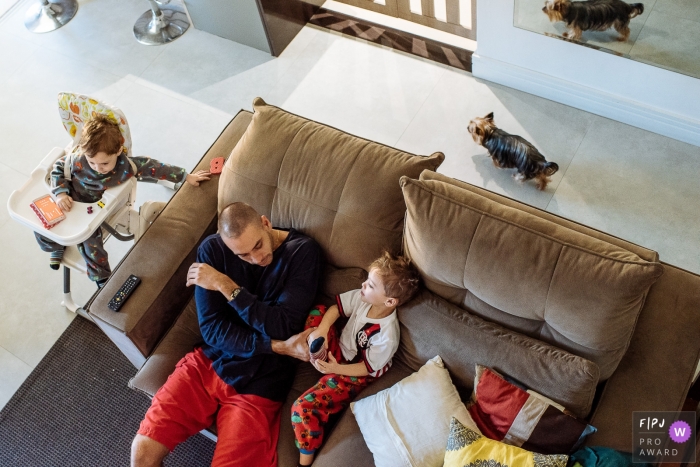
123, 293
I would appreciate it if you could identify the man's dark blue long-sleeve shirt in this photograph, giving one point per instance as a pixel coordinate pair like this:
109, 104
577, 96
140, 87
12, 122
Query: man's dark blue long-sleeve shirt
273, 304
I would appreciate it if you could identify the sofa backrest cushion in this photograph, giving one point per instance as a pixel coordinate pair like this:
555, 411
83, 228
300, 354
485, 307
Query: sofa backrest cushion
341, 190
644, 253
525, 272
431, 326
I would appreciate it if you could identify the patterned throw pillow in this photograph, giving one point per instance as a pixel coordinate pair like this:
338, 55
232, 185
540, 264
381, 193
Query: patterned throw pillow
507, 412
467, 448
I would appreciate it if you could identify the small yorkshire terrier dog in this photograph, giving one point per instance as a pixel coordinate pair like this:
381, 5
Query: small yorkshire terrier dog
511, 151
593, 15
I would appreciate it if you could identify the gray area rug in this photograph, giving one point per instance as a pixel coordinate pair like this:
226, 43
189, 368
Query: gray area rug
75, 409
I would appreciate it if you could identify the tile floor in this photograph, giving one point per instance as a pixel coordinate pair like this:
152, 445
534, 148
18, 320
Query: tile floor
663, 35
628, 182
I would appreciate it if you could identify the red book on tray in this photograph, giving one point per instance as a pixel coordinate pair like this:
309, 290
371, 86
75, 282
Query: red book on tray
47, 211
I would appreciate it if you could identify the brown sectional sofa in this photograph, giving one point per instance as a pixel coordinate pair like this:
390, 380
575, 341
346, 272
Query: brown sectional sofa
590, 320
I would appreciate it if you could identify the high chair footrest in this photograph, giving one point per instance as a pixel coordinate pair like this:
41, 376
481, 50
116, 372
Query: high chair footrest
73, 260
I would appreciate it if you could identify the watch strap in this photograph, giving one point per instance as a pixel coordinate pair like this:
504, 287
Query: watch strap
235, 293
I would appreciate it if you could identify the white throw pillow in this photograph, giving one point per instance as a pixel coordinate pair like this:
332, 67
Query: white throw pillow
407, 424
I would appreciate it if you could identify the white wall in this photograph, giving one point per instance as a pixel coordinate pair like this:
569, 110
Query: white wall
635, 93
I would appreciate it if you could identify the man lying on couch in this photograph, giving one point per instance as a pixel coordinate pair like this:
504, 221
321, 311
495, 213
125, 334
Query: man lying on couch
255, 287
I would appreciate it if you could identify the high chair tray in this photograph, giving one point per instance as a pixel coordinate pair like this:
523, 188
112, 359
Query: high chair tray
78, 224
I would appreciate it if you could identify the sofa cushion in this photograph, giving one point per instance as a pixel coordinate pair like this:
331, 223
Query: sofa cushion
553, 283
430, 325
394, 421
644, 253
337, 188
505, 411
465, 447
180, 339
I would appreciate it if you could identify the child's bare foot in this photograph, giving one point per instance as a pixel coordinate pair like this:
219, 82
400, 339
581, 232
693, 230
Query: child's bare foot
305, 460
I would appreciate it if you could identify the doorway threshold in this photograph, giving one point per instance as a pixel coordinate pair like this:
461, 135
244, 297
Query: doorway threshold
396, 33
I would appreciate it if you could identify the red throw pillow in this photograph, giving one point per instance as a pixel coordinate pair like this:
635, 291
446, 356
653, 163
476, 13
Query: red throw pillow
508, 413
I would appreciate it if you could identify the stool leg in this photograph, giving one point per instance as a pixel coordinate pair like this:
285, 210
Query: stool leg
161, 24
45, 16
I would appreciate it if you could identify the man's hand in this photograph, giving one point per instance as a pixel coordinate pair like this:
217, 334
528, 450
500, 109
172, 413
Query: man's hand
197, 177
64, 202
207, 277
296, 346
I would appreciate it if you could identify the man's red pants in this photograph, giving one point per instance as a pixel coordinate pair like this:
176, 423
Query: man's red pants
247, 425
330, 395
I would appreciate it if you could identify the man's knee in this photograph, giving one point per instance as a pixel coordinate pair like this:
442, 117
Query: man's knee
147, 452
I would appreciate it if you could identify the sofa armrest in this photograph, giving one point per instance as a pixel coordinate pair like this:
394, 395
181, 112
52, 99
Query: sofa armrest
161, 259
658, 368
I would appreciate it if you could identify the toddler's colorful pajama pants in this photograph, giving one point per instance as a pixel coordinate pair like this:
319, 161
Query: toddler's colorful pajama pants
92, 250
330, 395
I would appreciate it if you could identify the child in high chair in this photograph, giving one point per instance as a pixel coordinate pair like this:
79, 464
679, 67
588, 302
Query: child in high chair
99, 162
362, 353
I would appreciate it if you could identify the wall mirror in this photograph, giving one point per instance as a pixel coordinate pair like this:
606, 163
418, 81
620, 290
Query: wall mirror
664, 34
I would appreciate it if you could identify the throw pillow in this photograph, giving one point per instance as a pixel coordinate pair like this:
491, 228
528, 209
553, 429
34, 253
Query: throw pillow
506, 412
466, 447
407, 424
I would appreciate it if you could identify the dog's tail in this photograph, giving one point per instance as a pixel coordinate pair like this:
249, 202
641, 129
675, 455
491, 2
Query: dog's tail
550, 168
637, 9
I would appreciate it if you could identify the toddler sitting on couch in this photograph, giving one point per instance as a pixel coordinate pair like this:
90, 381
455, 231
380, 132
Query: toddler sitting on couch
362, 353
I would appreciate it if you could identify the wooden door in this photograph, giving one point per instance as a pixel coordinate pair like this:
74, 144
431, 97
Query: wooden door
387, 7
452, 16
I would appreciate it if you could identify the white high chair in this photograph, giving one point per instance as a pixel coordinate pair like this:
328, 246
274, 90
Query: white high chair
115, 212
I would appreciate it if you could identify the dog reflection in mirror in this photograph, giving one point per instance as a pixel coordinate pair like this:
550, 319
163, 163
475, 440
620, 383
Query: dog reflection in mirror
593, 15
511, 151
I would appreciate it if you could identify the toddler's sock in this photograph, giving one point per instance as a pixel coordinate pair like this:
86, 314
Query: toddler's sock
55, 259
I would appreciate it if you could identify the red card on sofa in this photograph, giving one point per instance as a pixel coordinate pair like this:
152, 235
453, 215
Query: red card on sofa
216, 165
508, 413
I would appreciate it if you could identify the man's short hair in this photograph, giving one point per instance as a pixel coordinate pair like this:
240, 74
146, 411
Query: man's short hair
400, 277
236, 217
101, 134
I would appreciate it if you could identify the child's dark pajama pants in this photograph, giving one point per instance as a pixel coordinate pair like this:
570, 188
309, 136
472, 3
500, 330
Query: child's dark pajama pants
330, 395
92, 250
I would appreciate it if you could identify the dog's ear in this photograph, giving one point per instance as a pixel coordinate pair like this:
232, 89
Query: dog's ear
489, 117
556, 6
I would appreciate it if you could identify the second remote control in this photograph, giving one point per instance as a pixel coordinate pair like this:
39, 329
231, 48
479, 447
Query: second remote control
123, 293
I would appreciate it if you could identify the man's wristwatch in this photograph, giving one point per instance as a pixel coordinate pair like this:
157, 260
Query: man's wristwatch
234, 294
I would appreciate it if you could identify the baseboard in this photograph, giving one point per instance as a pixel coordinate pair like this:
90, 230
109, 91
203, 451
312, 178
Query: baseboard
589, 99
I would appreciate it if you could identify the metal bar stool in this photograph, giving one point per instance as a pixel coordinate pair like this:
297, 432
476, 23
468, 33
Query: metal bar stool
162, 24
45, 16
